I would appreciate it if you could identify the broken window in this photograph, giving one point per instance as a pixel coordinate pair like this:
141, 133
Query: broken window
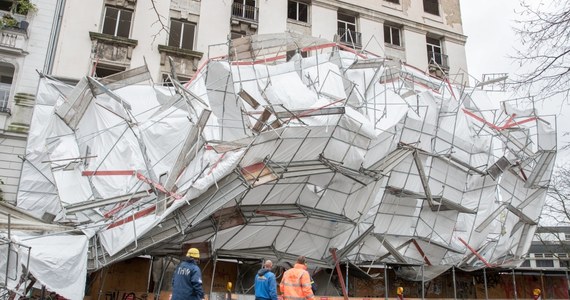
181, 34
347, 29
392, 35
298, 11
117, 21
6, 77
431, 7
435, 52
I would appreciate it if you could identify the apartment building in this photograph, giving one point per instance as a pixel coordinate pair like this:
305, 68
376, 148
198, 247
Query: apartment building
70, 39
550, 249
26, 36
120, 34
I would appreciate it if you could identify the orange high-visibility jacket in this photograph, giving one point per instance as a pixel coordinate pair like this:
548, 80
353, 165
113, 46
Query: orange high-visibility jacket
296, 284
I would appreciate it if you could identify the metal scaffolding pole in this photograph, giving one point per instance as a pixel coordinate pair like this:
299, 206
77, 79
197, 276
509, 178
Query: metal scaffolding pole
386, 281
454, 283
485, 282
514, 284
423, 285
213, 274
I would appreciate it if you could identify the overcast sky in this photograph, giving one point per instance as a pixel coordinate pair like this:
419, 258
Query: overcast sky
488, 25
490, 37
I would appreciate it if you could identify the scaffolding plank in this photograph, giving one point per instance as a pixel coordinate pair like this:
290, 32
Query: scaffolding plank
261, 121
123, 79
248, 99
72, 110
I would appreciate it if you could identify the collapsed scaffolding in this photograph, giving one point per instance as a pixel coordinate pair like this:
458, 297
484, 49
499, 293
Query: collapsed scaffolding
270, 153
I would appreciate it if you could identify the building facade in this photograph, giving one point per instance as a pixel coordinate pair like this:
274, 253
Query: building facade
26, 37
120, 34
58, 38
550, 249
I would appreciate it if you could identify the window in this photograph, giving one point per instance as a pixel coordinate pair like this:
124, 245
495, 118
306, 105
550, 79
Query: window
431, 7
298, 11
393, 1
117, 21
245, 9
565, 264
545, 263
525, 264
435, 52
6, 5
347, 29
102, 71
181, 34
392, 35
6, 77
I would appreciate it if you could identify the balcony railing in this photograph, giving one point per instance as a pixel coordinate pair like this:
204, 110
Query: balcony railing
246, 12
4, 96
350, 37
439, 59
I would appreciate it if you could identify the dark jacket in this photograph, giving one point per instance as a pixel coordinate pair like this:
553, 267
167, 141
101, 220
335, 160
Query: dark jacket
265, 285
187, 281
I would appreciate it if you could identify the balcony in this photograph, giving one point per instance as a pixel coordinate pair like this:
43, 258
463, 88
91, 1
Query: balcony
350, 38
245, 12
112, 50
4, 96
13, 33
436, 59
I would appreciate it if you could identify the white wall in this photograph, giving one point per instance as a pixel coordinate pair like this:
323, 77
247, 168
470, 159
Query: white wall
457, 60
324, 22
416, 51
214, 28
149, 34
372, 36
38, 39
272, 16
73, 56
11, 165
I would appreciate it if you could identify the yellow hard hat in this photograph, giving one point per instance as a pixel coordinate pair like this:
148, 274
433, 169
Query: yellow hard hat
193, 252
400, 290
536, 292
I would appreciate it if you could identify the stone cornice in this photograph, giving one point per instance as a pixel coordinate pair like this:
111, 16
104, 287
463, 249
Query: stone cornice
111, 39
179, 52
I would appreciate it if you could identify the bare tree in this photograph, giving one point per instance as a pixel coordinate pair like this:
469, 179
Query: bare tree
544, 30
556, 210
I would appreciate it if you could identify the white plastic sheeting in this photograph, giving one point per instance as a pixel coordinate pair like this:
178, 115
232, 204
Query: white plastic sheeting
58, 262
379, 160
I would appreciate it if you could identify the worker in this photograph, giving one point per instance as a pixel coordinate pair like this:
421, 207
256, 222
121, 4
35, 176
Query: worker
536, 294
187, 278
265, 283
296, 282
400, 293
